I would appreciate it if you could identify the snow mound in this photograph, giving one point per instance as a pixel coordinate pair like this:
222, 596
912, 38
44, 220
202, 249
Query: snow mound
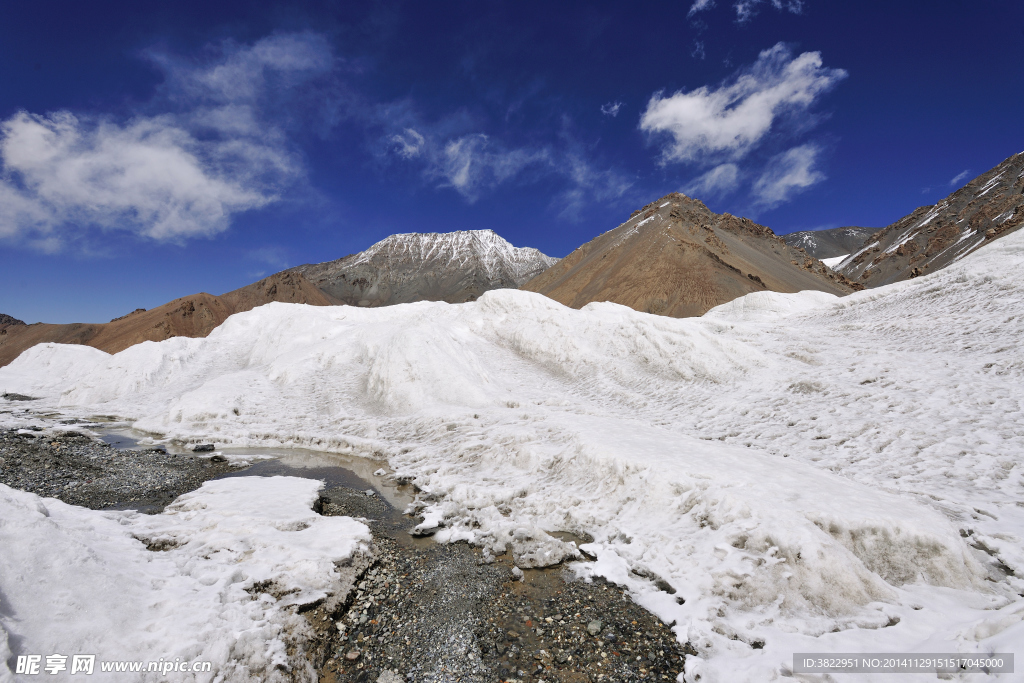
769, 305
829, 475
216, 577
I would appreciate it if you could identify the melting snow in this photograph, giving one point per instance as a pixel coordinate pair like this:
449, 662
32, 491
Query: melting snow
814, 473
128, 586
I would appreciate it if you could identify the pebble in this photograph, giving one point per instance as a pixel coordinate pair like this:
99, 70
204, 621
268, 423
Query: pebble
438, 614
76, 469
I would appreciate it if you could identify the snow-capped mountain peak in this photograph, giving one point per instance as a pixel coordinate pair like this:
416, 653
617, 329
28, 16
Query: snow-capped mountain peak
454, 267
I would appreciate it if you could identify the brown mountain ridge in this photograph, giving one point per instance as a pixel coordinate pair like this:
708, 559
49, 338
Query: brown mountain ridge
932, 237
678, 258
190, 316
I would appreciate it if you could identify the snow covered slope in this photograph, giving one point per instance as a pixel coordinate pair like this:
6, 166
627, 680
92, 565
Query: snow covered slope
807, 473
453, 267
828, 244
988, 208
211, 579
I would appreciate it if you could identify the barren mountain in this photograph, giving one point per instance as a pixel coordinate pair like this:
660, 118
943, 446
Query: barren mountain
932, 237
676, 257
453, 267
8, 321
830, 243
190, 316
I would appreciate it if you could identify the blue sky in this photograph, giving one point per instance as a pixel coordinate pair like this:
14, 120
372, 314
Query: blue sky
153, 150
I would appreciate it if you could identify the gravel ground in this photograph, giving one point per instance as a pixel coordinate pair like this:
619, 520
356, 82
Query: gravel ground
423, 612
76, 469
429, 612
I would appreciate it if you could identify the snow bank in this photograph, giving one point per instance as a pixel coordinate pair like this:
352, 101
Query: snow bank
214, 578
805, 473
767, 306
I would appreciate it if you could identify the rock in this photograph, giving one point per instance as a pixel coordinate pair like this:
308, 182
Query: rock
353, 654
594, 627
517, 574
388, 676
202, 448
218, 458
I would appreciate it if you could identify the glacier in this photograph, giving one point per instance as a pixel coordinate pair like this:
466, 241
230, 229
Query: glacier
807, 473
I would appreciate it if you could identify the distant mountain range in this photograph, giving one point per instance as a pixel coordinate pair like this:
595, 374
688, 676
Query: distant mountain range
673, 257
455, 267
191, 316
932, 237
822, 244
678, 258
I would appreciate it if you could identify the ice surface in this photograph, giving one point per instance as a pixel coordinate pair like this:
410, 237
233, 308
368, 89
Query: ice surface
807, 472
215, 578
834, 261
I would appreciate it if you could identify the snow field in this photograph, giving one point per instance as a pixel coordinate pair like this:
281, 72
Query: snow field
128, 586
789, 473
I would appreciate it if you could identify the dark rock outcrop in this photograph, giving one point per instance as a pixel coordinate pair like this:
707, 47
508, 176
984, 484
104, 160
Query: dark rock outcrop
932, 237
830, 243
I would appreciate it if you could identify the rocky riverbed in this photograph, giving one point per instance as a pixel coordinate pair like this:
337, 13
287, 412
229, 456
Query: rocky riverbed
430, 612
422, 611
79, 470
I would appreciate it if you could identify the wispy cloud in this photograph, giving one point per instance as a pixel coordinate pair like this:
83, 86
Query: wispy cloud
271, 258
700, 6
731, 119
408, 143
747, 9
473, 164
720, 180
787, 174
168, 175
611, 109
960, 177
698, 51
588, 183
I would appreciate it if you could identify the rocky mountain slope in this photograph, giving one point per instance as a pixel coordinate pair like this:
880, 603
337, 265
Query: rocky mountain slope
453, 267
8, 321
932, 237
676, 257
190, 316
822, 244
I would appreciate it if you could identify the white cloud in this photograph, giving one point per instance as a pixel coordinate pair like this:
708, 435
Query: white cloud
148, 176
170, 176
472, 163
700, 6
730, 120
960, 177
720, 180
408, 143
242, 73
787, 174
746, 9
611, 109
698, 51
